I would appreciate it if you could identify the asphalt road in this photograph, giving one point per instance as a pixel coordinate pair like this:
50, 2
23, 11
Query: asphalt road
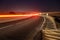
20, 29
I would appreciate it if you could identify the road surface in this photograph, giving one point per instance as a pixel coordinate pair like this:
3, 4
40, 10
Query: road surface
25, 29
20, 29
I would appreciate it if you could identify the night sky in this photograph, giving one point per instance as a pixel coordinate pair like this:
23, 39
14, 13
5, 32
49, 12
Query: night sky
24, 5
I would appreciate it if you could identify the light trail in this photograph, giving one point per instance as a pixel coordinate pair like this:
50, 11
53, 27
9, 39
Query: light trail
19, 15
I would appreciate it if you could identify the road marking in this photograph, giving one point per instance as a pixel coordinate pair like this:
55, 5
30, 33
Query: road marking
51, 34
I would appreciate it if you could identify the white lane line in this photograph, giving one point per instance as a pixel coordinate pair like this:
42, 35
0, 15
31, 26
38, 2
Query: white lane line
13, 24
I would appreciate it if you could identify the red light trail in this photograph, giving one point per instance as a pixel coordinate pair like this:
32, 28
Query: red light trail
19, 15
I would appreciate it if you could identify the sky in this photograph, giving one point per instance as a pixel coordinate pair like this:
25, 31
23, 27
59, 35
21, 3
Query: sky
24, 5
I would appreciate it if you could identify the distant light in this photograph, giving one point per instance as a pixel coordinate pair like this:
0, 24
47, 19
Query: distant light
47, 14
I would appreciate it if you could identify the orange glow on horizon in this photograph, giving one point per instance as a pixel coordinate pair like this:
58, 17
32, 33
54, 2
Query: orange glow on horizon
19, 15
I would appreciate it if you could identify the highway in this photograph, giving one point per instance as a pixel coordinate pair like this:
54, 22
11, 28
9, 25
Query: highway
28, 29
24, 29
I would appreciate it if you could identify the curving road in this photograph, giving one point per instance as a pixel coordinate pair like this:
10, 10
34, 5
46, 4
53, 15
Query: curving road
20, 29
